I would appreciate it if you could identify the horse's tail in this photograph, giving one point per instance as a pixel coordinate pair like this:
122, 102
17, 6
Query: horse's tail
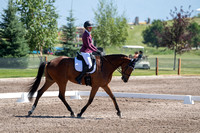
36, 83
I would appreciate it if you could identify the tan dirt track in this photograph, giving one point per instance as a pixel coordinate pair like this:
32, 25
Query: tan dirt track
138, 115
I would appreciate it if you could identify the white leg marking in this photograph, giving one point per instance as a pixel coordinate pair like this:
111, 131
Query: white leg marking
33, 108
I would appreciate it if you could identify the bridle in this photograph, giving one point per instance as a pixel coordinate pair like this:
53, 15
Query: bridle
123, 73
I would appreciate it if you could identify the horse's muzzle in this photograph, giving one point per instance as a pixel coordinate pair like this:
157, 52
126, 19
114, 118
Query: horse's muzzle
124, 79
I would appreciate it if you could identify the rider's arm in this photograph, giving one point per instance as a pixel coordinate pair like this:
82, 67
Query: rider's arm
89, 44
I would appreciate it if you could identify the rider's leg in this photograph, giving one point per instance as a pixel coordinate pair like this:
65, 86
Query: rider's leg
87, 58
88, 65
79, 78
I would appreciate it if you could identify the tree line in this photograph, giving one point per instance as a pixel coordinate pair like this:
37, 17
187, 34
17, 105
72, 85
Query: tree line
35, 29
180, 34
181, 29
29, 25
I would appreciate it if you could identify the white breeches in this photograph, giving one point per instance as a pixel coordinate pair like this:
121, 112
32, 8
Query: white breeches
87, 59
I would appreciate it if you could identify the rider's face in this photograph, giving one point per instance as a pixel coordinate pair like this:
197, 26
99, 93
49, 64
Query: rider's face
89, 29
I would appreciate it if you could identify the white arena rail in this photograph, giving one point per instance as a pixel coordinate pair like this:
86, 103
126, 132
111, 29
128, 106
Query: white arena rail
23, 96
188, 99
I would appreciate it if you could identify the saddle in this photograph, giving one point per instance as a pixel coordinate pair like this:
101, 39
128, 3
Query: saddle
79, 63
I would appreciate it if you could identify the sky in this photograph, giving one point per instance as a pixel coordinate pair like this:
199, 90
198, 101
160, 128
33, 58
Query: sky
84, 9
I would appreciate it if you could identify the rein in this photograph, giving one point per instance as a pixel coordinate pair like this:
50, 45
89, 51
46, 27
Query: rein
118, 69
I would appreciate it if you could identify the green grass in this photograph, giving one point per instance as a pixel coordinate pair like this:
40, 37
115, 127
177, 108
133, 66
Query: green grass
135, 35
15, 73
197, 20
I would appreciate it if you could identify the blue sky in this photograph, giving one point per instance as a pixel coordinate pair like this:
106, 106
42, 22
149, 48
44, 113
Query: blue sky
84, 9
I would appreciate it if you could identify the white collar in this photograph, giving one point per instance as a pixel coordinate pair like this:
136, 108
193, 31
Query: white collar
88, 32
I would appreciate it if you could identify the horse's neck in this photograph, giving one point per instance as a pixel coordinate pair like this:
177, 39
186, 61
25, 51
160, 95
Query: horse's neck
114, 61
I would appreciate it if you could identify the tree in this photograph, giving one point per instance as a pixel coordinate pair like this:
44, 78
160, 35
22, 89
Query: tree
12, 39
198, 15
176, 36
194, 28
150, 36
39, 17
111, 29
69, 33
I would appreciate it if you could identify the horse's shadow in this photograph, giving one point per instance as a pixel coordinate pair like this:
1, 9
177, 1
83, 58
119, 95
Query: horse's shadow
44, 116
48, 116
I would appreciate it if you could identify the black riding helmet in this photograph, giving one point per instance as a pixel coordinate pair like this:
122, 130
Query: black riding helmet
88, 24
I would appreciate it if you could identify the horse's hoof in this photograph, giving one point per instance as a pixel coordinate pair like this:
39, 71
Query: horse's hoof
78, 115
29, 113
72, 115
119, 114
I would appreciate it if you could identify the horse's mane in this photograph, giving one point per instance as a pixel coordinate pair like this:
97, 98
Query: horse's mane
113, 57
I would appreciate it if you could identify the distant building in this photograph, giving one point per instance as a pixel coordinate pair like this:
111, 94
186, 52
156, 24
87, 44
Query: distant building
79, 32
142, 23
148, 21
136, 20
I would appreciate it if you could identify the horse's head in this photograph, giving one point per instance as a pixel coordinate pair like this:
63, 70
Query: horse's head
127, 69
119, 60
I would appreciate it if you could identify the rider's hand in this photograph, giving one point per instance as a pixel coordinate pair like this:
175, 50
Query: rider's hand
95, 53
98, 52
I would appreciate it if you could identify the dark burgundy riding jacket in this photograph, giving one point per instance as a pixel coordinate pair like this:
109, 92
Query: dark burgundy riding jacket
87, 46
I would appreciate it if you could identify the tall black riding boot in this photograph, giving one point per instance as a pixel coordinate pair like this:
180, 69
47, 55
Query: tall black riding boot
79, 78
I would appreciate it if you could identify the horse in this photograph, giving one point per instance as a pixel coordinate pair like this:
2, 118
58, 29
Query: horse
61, 70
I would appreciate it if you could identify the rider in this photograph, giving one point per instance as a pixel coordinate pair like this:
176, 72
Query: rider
87, 49
139, 56
135, 55
137, 59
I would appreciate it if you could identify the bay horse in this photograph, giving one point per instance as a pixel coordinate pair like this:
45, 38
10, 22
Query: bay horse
61, 70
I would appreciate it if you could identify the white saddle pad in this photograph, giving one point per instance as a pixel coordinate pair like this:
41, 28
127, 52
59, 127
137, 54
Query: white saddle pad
79, 65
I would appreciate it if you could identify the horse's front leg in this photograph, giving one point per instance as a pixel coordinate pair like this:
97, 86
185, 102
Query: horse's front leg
92, 94
109, 92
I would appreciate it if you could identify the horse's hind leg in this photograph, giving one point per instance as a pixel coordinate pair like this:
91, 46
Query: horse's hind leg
92, 94
62, 88
39, 94
109, 92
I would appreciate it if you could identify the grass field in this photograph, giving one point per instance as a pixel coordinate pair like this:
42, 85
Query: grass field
15, 73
